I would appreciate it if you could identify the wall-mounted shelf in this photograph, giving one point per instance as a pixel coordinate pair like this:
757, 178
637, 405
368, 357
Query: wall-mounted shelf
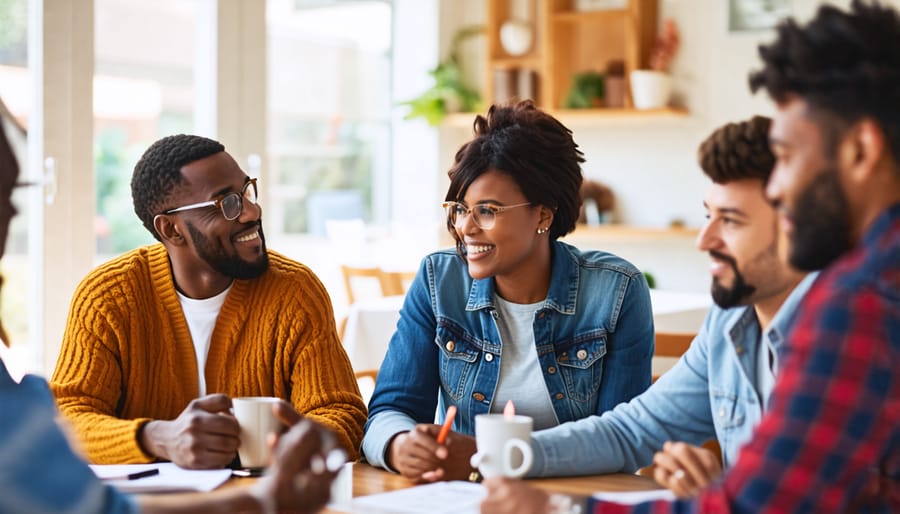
581, 117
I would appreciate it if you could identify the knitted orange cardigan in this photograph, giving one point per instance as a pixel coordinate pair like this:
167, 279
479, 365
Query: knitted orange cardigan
127, 356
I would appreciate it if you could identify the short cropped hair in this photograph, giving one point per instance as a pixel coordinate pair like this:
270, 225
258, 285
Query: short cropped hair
844, 65
158, 172
531, 147
738, 151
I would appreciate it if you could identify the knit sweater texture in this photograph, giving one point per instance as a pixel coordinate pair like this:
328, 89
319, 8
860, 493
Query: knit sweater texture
127, 356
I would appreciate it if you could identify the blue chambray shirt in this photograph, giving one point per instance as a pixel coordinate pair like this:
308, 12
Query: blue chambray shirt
39, 473
710, 393
593, 335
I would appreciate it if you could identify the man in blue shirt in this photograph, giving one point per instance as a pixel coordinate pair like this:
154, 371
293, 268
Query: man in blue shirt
720, 387
39, 473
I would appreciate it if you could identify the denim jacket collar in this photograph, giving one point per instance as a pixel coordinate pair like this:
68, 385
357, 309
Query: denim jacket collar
563, 291
743, 329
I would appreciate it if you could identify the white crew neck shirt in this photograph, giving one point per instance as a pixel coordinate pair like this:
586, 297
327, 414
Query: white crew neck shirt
521, 379
201, 318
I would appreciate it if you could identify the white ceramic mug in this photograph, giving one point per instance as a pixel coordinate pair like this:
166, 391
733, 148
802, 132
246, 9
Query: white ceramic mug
254, 415
650, 89
504, 445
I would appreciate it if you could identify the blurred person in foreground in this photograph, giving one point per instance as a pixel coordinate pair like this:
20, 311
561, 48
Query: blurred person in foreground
830, 441
511, 313
41, 474
159, 339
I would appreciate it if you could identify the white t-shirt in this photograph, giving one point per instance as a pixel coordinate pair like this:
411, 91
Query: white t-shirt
521, 379
201, 320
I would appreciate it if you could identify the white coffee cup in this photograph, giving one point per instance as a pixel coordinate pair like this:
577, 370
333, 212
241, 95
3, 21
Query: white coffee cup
504, 445
254, 415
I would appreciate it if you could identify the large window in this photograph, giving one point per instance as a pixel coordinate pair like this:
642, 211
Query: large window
144, 76
328, 113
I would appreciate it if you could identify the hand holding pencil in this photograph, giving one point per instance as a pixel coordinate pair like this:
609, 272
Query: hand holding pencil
430, 453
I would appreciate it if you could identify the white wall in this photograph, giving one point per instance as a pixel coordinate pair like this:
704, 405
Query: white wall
651, 164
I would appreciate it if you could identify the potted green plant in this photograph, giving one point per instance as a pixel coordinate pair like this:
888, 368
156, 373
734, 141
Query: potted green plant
449, 93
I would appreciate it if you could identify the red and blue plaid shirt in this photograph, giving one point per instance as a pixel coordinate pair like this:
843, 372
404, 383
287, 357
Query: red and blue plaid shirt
830, 441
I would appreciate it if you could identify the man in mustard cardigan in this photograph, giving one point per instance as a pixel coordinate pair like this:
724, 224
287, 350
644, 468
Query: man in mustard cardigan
159, 339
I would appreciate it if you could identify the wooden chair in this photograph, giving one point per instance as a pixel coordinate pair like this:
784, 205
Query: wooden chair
352, 273
671, 345
365, 378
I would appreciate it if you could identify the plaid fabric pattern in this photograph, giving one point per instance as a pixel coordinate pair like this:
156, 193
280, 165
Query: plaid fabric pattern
831, 439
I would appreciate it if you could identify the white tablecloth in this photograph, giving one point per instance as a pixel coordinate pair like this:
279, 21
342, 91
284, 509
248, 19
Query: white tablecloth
371, 322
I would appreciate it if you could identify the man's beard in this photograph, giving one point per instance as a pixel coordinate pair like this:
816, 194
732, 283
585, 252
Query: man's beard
821, 223
738, 293
229, 265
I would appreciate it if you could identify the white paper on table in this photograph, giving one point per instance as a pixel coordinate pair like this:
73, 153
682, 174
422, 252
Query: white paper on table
635, 497
171, 478
437, 498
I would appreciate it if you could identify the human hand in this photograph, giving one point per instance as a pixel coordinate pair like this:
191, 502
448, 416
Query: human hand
455, 455
512, 496
305, 460
685, 469
204, 436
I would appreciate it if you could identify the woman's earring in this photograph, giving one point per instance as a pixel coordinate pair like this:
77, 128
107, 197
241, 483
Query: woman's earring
541, 231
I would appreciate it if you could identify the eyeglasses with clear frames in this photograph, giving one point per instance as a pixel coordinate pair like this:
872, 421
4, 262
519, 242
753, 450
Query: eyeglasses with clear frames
483, 214
231, 204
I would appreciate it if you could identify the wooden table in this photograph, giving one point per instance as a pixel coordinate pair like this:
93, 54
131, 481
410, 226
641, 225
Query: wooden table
370, 480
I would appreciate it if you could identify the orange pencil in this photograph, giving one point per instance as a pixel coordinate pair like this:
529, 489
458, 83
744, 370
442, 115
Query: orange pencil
445, 429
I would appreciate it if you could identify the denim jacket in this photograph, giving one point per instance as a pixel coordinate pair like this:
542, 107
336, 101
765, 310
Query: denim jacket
593, 334
710, 393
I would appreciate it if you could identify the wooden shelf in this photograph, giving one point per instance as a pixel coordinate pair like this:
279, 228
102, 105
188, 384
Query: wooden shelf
586, 116
508, 63
590, 16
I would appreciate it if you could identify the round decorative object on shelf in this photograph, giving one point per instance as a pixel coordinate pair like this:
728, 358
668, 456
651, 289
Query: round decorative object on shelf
516, 36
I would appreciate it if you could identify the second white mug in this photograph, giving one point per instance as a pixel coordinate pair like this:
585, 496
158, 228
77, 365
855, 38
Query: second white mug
504, 445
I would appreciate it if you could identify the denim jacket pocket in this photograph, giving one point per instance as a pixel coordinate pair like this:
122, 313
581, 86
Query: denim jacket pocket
580, 362
459, 354
727, 409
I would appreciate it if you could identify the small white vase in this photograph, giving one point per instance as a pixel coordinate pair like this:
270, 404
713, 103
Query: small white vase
650, 89
516, 36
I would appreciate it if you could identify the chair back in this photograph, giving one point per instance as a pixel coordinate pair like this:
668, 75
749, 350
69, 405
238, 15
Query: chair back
668, 346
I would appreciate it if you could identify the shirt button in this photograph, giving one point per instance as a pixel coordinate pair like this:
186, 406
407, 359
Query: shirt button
582, 354
739, 350
721, 413
478, 397
489, 357
551, 370
560, 396
450, 346
541, 316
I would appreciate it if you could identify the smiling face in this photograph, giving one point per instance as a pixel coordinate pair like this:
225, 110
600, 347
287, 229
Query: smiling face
741, 238
236, 248
512, 247
806, 189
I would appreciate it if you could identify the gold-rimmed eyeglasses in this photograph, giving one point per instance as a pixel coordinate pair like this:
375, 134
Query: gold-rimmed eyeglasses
231, 204
483, 214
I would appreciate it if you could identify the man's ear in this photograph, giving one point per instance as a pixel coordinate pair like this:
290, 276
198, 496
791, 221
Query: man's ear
167, 230
867, 147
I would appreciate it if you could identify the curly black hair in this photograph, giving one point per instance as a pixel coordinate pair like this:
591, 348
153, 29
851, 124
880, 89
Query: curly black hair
534, 149
738, 151
159, 170
845, 65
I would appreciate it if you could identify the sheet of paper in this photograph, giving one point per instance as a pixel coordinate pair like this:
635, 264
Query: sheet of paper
171, 478
634, 497
436, 498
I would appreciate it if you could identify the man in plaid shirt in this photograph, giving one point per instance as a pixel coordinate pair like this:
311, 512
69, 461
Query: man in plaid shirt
830, 441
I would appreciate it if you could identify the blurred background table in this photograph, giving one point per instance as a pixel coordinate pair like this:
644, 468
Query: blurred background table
372, 321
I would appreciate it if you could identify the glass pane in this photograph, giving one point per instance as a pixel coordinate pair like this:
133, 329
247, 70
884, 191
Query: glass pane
17, 299
329, 112
143, 90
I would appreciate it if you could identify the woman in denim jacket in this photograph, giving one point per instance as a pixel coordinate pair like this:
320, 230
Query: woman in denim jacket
512, 313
